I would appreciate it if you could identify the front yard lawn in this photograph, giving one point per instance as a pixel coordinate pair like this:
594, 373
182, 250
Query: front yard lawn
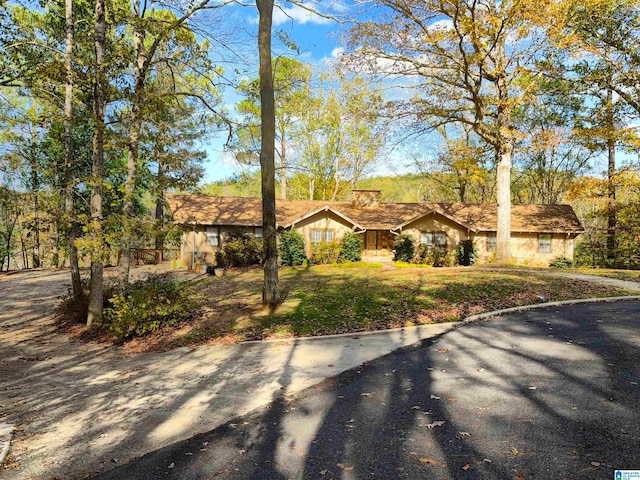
333, 299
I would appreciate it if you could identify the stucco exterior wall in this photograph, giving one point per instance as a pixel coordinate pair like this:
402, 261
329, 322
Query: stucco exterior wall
437, 223
525, 248
322, 221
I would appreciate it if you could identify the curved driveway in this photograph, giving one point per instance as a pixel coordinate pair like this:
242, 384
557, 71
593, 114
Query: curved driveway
545, 394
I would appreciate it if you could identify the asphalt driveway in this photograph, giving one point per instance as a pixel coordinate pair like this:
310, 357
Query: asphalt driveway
546, 394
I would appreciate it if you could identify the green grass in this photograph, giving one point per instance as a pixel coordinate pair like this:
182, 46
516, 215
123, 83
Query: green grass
331, 299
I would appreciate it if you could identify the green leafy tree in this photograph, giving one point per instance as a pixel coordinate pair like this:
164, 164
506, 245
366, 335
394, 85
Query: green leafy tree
161, 38
474, 65
291, 96
340, 136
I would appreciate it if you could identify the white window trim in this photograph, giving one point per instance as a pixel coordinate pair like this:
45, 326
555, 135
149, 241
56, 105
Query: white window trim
324, 234
546, 239
492, 242
430, 238
211, 233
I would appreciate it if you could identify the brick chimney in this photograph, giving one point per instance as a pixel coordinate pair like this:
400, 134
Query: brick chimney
365, 198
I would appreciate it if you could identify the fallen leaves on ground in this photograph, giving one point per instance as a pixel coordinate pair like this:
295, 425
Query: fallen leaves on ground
437, 423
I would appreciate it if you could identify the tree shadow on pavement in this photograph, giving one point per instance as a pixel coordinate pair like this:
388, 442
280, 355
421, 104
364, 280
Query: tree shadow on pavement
550, 393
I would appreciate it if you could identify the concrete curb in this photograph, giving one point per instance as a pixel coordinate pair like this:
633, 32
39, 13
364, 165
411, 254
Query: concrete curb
470, 319
5, 440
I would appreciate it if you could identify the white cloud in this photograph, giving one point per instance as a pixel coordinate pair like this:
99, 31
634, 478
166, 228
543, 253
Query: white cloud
444, 24
317, 12
300, 14
337, 52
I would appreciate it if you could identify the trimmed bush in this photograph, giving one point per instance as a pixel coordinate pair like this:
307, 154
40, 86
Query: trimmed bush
436, 256
465, 253
561, 262
324, 253
423, 255
241, 250
146, 306
404, 248
439, 257
351, 247
291, 248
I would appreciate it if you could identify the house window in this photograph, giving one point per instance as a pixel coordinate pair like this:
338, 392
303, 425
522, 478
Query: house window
430, 239
213, 236
492, 242
318, 236
544, 243
257, 233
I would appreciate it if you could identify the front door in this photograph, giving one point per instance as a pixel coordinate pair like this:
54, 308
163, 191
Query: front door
371, 242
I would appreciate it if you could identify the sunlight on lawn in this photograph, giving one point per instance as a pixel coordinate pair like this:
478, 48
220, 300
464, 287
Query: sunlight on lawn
334, 299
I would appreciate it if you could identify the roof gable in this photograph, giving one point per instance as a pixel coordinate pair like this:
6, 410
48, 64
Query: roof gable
324, 208
436, 211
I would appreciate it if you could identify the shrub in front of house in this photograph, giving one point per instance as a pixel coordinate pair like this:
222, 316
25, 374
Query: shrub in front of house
561, 262
291, 248
465, 253
221, 259
404, 248
324, 253
433, 255
148, 305
241, 249
440, 257
423, 255
351, 247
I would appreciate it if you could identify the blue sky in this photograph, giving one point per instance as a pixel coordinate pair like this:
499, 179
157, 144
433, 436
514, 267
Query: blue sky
317, 37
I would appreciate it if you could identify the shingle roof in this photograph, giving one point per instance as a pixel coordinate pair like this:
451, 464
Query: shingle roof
244, 211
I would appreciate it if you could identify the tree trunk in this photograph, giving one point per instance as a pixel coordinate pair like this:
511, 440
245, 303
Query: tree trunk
74, 266
55, 246
611, 186
267, 155
36, 227
134, 142
160, 208
23, 247
96, 286
35, 187
503, 196
283, 165
503, 150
